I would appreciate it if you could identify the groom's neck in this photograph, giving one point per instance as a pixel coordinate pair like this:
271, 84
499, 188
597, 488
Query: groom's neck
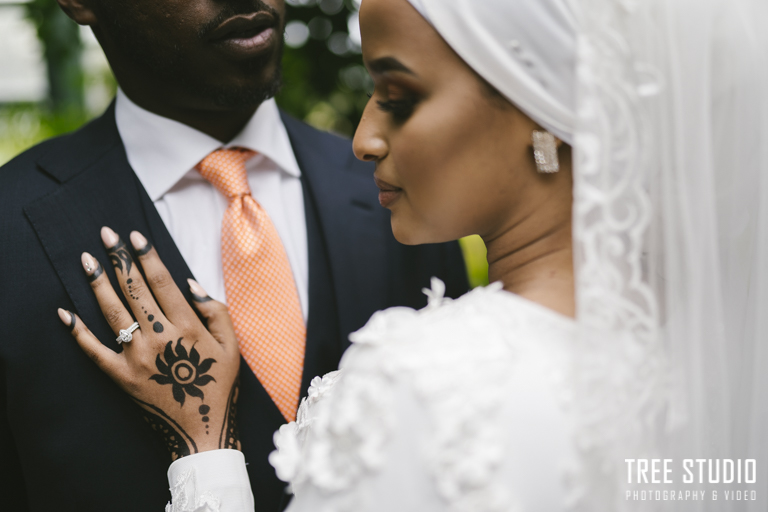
223, 124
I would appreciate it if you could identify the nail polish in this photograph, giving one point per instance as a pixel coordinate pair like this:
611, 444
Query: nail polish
138, 241
65, 316
109, 237
92, 268
198, 293
89, 264
195, 287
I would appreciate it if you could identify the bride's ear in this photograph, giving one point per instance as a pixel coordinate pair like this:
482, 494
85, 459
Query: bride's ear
80, 11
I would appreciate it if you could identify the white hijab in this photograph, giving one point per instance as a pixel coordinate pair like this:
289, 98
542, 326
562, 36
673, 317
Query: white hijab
664, 103
526, 49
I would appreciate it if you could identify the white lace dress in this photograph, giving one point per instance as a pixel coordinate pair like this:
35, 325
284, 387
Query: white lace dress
462, 406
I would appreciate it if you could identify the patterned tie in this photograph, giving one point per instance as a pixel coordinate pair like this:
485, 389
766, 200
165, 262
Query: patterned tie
261, 294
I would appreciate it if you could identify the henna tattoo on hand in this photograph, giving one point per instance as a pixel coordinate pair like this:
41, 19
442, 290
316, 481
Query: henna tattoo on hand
129, 282
229, 436
183, 371
198, 298
178, 442
204, 410
119, 254
96, 273
145, 250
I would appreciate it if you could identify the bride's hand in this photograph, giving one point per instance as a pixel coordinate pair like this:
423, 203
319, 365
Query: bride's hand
184, 377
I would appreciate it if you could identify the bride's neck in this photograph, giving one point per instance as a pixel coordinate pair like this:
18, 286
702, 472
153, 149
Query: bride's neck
534, 259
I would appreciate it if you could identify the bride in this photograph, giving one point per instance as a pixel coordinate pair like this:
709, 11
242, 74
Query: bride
609, 154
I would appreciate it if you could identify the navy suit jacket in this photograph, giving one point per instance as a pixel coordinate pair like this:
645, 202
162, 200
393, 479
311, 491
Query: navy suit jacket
70, 439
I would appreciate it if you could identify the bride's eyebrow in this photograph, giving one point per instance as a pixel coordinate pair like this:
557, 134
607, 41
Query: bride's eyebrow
384, 64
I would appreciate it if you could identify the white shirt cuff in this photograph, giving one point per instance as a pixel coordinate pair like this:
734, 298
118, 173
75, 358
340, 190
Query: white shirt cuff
215, 480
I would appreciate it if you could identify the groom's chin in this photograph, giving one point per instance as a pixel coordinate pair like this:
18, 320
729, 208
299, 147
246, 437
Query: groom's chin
259, 79
245, 96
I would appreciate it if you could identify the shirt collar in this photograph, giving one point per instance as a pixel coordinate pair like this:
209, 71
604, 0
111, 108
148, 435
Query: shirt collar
161, 151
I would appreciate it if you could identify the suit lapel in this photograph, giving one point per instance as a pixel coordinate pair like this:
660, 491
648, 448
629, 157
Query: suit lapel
69, 220
96, 190
99, 188
350, 218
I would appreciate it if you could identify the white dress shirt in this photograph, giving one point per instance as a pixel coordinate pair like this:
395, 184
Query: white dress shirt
163, 153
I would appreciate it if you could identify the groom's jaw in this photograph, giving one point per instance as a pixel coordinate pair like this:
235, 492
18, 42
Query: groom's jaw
205, 63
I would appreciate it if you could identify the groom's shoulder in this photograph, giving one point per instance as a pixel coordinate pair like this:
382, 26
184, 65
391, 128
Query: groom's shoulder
322, 145
22, 179
306, 132
35, 171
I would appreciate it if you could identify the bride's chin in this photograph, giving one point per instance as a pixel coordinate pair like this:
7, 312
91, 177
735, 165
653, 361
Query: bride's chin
405, 233
410, 234
403, 236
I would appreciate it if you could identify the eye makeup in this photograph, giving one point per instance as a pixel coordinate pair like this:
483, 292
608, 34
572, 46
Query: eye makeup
400, 109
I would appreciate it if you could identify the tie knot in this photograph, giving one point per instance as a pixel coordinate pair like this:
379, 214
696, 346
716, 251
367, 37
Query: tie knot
225, 170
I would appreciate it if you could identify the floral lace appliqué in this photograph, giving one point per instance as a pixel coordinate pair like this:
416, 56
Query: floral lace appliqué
434, 352
184, 496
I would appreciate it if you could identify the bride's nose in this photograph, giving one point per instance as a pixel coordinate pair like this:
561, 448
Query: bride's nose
368, 144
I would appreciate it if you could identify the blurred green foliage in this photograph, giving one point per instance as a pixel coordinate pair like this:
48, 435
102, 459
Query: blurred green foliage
324, 80
475, 257
62, 50
23, 125
325, 83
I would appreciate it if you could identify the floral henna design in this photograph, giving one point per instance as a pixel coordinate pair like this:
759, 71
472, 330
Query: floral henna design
229, 436
96, 273
119, 254
145, 250
178, 442
183, 371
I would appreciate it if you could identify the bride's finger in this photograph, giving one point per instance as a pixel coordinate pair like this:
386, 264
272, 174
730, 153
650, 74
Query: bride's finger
215, 314
107, 360
175, 306
111, 307
134, 288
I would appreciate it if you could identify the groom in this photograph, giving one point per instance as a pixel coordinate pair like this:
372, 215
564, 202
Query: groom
194, 75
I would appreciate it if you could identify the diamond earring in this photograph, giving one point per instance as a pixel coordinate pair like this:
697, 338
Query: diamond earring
545, 152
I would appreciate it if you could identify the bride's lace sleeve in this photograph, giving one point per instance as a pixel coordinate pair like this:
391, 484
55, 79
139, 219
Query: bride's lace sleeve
213, 481
433, 410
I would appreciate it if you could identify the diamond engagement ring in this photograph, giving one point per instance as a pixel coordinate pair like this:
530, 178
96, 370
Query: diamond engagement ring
126, 335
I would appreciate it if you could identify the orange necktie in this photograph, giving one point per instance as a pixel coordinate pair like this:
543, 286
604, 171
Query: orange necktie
261, 294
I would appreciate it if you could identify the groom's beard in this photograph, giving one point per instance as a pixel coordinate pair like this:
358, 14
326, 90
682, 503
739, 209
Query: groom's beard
244, 96
173, 63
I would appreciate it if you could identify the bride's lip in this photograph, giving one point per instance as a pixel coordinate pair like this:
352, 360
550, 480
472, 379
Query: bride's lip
388, 193
244, 36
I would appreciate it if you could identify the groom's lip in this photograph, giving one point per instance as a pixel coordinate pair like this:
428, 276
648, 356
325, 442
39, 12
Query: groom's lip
245, 36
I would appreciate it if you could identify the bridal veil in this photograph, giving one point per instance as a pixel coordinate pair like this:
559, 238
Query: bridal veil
665, 104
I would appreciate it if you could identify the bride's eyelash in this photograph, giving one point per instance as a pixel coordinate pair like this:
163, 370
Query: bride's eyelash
400, 109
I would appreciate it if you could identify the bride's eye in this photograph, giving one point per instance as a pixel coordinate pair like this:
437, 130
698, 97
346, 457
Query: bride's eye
401, 109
